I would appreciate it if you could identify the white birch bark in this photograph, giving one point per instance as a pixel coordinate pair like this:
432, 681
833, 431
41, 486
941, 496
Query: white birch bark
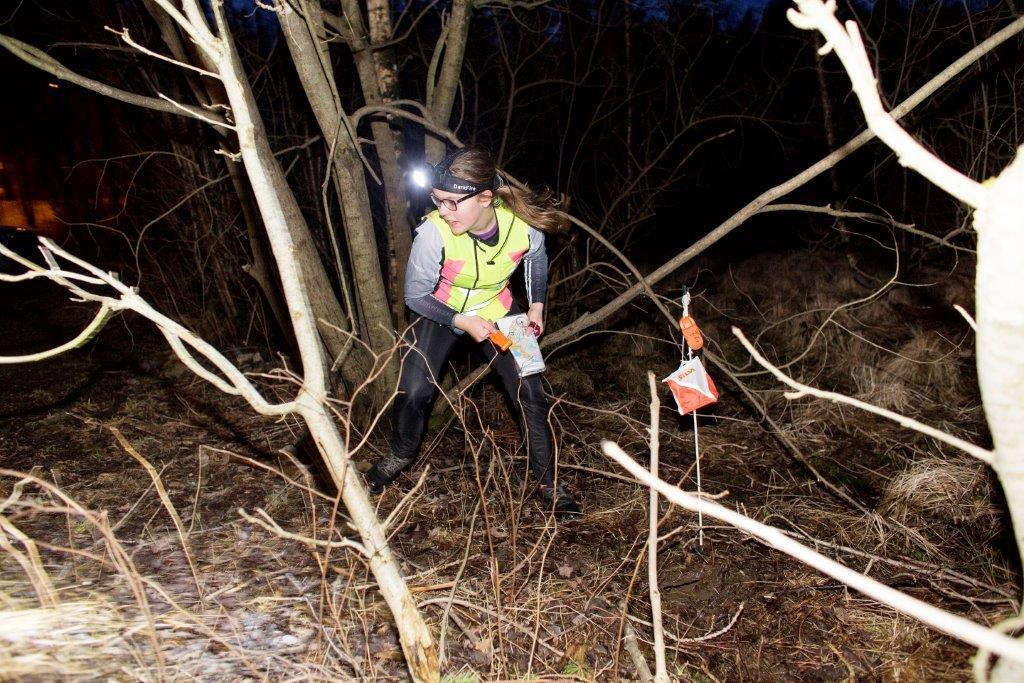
416, 640
332, 324
999, 298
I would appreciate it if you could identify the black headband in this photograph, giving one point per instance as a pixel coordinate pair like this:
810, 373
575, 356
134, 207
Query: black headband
445, 180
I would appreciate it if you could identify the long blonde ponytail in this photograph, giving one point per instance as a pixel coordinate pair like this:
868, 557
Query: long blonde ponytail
538, 208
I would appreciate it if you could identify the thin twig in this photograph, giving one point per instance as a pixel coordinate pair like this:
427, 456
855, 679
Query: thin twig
643, 670
803, 390
661, 669
951, 624
165, 499
454, 586
265, 521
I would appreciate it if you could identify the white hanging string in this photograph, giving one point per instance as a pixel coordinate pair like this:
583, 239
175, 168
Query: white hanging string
696, 440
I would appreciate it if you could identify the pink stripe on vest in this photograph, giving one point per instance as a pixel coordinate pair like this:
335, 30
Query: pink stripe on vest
449, 271
505, 298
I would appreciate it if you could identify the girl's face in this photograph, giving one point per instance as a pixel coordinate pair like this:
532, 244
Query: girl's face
470, 214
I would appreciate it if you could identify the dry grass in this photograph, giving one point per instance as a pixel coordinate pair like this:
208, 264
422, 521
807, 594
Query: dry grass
881, 389
72, 641
523, 598
927, 361
954, 491
903, 649
516, 596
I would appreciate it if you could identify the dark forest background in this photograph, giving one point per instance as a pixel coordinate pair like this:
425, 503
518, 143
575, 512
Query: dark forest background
656, 121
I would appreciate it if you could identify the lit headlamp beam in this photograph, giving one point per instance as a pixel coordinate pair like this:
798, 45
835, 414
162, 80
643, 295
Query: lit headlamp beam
420, 177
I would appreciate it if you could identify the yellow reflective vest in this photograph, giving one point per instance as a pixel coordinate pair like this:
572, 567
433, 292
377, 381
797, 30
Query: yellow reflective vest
474, 277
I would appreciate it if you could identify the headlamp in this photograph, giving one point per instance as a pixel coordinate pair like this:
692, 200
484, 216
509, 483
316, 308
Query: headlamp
420, 176
440, 177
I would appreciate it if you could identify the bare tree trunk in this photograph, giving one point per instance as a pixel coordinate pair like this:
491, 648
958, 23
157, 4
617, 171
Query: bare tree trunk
443, 76
379, 82
260, 269
833, 174
328, 313
627, 9
207, 92
317, 79
262, 167
378, 15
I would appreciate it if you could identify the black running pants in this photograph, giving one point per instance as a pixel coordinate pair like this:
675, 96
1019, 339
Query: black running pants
422, 365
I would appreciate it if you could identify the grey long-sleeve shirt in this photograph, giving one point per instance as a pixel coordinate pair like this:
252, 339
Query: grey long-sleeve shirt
423, 272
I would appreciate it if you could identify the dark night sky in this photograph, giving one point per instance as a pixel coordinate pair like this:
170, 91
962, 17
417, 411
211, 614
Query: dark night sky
729, 14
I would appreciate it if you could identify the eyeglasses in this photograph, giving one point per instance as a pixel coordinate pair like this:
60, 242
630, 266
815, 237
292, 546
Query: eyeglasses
452, 204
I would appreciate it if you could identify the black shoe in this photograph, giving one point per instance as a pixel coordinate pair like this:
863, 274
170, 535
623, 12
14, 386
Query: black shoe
385, 472
558, 499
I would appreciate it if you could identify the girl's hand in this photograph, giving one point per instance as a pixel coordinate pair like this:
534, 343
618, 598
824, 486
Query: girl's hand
476, 327
536, 317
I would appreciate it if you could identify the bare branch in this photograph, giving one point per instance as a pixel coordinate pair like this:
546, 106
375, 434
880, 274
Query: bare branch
90, 331
208, 118
771, 195
660, 666
865, 215
195, 26
394, 109
643, 669
236, 383
967, 316
44, 62
804, 390
127, 38
951, 624
848, 46
265, 521
711, 635
185, 357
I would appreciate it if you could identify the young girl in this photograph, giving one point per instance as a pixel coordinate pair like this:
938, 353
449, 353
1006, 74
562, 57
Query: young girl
456, 281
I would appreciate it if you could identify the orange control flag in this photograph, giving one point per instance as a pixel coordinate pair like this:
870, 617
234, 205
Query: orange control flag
691, 386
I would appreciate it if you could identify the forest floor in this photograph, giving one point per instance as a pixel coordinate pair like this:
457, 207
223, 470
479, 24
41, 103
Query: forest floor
115, 594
